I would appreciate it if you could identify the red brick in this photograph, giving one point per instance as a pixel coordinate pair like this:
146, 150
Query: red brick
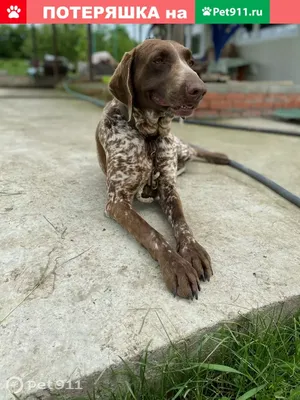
254, 97
266, 105
281, 97
262, 105
291, 104
235, 96
272, 99
215, 96
232, 104
240, 105
296, 104
219, 105
206, 113
282, 105
293, 97
205, 103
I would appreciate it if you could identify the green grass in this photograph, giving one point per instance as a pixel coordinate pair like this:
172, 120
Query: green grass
252, 360
14, 66
106, 79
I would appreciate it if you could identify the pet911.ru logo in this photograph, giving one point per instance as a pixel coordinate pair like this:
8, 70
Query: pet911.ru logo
231, 12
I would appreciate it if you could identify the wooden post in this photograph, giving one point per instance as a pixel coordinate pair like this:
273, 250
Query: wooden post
90, 51
55, 52
178, 33
34, 45
169, 31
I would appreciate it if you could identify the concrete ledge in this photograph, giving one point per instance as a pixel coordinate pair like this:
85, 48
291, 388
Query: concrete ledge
77, 292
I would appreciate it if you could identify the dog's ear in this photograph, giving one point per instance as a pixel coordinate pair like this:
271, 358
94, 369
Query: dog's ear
120, 84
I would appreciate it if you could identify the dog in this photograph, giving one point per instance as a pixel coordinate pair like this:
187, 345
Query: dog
141, 158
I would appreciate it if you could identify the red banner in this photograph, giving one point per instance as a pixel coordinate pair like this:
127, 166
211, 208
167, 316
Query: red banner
97, 12
128, 12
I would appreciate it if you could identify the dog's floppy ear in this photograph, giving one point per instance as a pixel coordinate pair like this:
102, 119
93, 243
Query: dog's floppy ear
120, 84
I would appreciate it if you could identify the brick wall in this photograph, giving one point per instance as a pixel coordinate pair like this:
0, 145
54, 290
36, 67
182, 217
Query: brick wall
247, 99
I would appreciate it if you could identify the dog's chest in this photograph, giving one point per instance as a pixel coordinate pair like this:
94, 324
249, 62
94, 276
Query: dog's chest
161, 163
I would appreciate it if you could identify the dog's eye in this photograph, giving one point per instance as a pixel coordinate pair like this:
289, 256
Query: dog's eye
158, 60
191, 63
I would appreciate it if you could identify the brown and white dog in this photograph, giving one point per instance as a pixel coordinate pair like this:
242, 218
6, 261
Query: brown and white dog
141, 158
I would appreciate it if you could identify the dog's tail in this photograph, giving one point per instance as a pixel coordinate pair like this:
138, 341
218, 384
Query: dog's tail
211, 157
187, 151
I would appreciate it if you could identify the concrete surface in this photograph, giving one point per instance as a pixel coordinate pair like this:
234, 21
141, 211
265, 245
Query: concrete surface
77, 292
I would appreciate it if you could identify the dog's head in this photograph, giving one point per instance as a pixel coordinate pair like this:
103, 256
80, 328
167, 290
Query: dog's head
157, 75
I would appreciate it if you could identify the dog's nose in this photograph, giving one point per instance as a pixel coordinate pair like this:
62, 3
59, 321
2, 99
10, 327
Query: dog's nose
196, 90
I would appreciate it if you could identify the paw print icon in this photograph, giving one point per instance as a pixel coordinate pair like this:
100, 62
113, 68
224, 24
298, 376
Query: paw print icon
206, 11
13, 12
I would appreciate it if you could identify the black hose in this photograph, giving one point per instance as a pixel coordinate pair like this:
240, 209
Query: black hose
238, 127
292, 198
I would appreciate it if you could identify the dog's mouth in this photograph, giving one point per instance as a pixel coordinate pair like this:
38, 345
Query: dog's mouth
182, 110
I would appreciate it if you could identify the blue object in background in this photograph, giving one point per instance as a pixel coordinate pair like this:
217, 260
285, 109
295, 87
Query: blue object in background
221, 34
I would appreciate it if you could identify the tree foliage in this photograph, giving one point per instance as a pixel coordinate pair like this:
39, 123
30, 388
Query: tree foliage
16, 41
11, 40
117, 42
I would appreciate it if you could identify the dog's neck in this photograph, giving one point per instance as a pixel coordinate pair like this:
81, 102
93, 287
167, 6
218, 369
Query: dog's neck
152, 123
149, 123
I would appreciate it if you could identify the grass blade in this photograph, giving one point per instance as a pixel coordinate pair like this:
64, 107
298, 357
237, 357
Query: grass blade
251, 392
220, 368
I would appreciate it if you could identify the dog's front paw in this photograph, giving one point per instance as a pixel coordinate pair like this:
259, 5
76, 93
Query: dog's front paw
179, 275
197, 256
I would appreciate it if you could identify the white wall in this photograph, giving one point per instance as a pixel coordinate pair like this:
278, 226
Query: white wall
274, 52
